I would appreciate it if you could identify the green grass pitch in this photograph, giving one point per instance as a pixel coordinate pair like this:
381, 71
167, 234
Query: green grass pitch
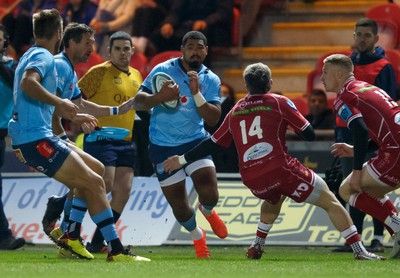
179, 261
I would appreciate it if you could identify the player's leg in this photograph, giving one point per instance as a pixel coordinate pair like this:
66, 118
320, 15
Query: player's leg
268, 214
204, 179
321, 196
374, 201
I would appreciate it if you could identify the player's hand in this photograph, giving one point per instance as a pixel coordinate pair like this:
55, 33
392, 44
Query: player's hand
194, 83
88, 127
342, 150
66, 109
172, 164
125, 107
355, 181
167, 30
169, 91
81, 119
199, 25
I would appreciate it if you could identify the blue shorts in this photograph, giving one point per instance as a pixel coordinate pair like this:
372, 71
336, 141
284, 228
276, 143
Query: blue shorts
158, 154
118, 153
46, 155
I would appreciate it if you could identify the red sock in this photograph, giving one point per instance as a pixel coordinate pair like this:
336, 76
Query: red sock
350, 235
372, 206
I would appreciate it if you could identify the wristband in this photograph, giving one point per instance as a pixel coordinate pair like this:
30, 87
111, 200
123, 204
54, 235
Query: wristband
199, 100
114, 110
63, 136
182, 160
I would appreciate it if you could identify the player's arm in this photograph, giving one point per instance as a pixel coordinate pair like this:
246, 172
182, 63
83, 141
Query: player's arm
307, 134
30, 85
144, 100
99, 111
203, 149
359, 132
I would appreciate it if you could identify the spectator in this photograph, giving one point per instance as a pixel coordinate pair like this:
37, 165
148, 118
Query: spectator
320, 116
211, 17
112, 16
80, 11
147, 20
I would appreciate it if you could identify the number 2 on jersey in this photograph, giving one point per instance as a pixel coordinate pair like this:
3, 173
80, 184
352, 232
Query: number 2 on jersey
255, 129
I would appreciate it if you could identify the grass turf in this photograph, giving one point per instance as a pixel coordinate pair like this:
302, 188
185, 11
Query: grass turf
179, 261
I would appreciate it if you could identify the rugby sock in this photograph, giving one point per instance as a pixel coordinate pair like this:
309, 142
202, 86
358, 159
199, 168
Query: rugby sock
67, 213
353, 239
98, 237
383, 210
191, 226
262, 232
206, 210
78, 211
105, 222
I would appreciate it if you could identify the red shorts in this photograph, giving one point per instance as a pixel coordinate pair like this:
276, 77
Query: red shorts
292, 179
386, 167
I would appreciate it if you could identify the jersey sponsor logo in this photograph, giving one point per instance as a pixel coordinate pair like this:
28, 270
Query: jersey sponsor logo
251, 110
184, 100
344, 112
397, 119
257, 151
291, 104
45, 149
71, 86
246, 103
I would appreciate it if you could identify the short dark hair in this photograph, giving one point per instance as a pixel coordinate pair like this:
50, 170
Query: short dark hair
194, 35
46, 23
368, 22
75, 32
119, 35
318, 92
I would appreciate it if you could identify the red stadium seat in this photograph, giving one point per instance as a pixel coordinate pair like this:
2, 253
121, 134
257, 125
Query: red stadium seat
393, 56
235, 27
387, 16
162, 57
93, 60
301, 104
139, 61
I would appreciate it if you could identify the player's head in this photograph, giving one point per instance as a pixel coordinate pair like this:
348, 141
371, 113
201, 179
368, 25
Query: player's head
194, 49
4, 39
257, 78
120, 49
47, 25
78, 40
336, 70
317, 102
365, 35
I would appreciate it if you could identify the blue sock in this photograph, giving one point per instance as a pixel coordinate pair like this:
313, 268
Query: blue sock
190, 224
78, 211
105, 222
67, 213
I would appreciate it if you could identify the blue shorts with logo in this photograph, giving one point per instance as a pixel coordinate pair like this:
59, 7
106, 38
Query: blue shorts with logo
46, 155
158, 154
118, 153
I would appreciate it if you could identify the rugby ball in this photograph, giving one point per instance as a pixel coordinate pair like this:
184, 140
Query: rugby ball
157, 82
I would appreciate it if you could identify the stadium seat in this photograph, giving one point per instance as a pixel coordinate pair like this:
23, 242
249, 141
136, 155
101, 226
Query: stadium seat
387, 16
162, 57
93, 60
313, 78
301, 104
139, 61
235, 27
393, 56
